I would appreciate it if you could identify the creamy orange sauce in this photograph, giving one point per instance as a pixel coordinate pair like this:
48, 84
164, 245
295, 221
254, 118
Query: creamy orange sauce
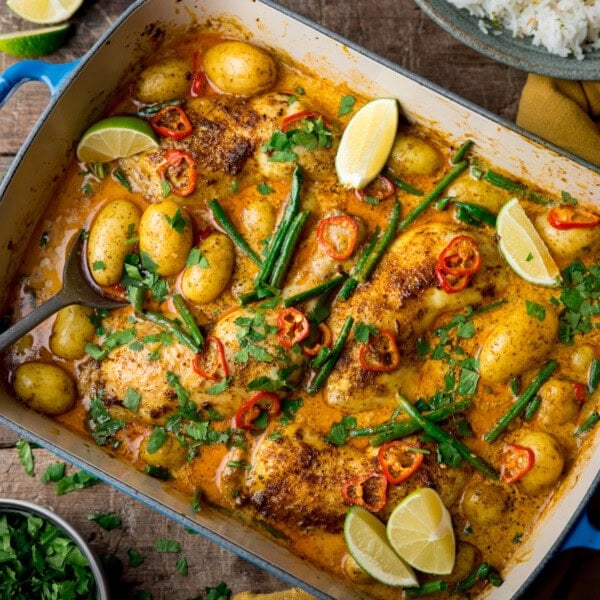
73, 210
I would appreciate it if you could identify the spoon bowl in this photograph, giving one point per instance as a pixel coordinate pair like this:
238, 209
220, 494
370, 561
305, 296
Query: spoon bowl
77, 288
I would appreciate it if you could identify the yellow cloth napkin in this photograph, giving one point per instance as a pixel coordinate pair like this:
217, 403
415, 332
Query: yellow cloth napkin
564, 112
291, 594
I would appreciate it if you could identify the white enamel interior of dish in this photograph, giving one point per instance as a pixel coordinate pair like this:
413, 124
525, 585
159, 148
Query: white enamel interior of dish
27, 189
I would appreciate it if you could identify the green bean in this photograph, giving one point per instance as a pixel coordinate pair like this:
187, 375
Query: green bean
435, 192
321, 375
314, 291
431, 587
350, 285
229, 228
287, 248
520, 403
517, 188
291, 210
172, 327
381, 246
473, 214
402, 184
587, 424
461, 152
532, 407
443, 437
188, 319
594, 376
399, 429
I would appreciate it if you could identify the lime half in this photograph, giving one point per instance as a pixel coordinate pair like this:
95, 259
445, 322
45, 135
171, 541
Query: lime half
420, 531
367, 543
367, 142
523, 248
44, 12
34, 42
116, 137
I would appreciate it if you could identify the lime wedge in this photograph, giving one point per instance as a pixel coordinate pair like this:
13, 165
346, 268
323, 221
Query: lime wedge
523, 248
44, 12
367, 142
34, 42
116, 137
367, 543
420, 531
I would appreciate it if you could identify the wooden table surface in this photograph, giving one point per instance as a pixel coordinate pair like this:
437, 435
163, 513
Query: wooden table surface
395, 29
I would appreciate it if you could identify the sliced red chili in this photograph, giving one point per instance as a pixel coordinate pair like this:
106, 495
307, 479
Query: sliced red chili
293, 121
179, 171
247, 414
457, 263
323, 339
211, 362
572, 217
337, 236
516, 461
580, 392
398, 461
198, 79
293, 327
368, 491
172, 122
380, 354
381, 188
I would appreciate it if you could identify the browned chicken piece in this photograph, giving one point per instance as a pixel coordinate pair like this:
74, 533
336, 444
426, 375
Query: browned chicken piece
227, 146
127, 367
403, 297
285, 469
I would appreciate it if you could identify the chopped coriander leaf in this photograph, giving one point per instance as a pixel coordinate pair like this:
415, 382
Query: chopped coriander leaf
77, 481
104, 426
196, 257
132, 400
363, 331
178, 222
165, 188
182, 565
300, 90
165, 545
234, 186
264, 189
157, 439
157, 472
447, 455
53, 473
220, 592
566, 197
122, 179
44, 239
107, 521
535, 310
26, 457
238, 464
517, 538
134, 557
338, 434
372, 201
98, 265
196, 500
220, 387
346, 105
529, 257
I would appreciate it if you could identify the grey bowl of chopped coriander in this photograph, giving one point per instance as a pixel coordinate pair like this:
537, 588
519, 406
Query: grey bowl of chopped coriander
42, 551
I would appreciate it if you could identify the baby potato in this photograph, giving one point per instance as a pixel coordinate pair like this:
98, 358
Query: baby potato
107, 243
484, 503
558, 405
71, 331
467, 188
582, 357
168, 79
44, 387
202, 283
353, 571
239, 68
467, 558
548, 462
170, 455
413, 156
566, 244
517, 343
166, 235
258, 220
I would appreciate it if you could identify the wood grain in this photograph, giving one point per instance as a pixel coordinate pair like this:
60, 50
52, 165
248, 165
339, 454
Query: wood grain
395, 29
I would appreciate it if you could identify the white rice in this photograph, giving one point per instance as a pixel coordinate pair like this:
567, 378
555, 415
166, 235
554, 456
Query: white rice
563, 27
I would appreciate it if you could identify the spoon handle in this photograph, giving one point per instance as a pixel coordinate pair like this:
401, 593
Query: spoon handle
35, 317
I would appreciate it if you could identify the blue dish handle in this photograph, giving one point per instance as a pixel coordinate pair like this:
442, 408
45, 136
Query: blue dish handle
51, 74
583, 535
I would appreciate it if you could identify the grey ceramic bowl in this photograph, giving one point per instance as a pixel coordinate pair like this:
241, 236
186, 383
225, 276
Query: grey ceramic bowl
516, 52
25, 508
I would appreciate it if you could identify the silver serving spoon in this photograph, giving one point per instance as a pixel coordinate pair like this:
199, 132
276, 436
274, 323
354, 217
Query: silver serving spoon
76, 289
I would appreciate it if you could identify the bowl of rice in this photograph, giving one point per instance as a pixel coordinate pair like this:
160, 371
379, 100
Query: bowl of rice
558, 38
